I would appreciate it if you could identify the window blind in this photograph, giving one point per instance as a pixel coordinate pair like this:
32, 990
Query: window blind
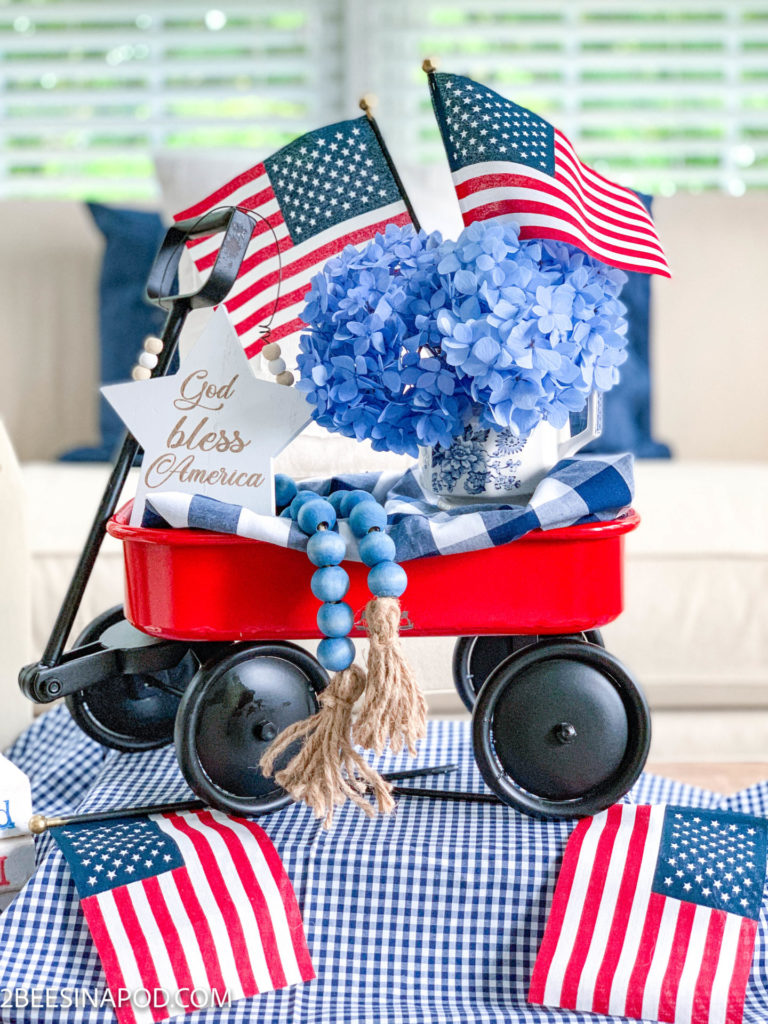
89, 89
662, 94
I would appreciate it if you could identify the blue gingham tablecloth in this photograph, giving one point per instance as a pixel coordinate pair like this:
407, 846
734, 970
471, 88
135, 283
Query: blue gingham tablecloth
584, 489
434, 914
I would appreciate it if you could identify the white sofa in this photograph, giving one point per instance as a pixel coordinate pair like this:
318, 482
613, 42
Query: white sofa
695, 629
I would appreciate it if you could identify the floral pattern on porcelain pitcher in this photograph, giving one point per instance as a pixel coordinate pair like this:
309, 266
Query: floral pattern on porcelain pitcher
483, 464
485, 467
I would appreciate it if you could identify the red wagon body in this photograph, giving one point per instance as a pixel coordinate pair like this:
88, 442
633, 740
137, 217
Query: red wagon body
195, 585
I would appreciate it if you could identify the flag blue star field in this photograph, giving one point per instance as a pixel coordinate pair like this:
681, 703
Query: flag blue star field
194, 905
508, 162
654, 915
321, 192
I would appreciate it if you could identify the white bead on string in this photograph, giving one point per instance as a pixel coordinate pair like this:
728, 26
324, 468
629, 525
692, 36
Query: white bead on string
276, 364
271, 351
147, 360
153, 345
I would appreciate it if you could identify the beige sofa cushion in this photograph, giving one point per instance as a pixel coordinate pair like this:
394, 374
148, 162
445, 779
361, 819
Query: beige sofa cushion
709, 329
49, 268
695, 628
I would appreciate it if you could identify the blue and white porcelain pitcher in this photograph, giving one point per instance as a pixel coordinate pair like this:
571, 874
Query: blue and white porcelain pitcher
484, 465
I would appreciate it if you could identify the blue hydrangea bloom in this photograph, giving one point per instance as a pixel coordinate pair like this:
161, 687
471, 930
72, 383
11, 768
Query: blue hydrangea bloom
413, 336
529, 327
365, 364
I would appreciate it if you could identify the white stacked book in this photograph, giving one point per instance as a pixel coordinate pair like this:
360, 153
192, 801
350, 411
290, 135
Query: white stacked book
17, 847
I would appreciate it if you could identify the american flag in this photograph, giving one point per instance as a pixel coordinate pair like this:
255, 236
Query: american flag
654, 915
196, 906
512, 164
323, 191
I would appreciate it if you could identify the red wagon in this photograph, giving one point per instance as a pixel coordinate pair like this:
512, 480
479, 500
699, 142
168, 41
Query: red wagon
202, 654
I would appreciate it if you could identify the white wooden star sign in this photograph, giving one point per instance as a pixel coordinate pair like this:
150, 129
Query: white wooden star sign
212, 428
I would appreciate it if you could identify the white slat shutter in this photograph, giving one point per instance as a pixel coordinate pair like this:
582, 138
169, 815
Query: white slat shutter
89, 89
663, 94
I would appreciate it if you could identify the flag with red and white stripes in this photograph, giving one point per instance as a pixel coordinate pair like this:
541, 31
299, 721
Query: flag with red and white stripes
325, 190
509, 163
654, 915
186, 911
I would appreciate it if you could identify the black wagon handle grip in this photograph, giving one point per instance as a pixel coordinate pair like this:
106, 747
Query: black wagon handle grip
237, 227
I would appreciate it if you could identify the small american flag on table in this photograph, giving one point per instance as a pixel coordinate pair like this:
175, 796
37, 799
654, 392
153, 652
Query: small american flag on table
326, 190
654, 915
196, 906
511, 164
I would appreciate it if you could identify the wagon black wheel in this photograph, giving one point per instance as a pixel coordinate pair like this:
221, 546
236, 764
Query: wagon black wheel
561, 730
129, 712
475, 657
233, 709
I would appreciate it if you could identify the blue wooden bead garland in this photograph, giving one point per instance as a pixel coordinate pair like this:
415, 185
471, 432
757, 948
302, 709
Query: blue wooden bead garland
376, 547
368, 515
326, 548
285, 490
349, 499
302, 498
387, 579
314, 513
335, 618
336, 653
330, 583
336, 498
317, 517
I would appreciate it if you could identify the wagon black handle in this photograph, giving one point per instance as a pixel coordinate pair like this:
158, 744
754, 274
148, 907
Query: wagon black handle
237, 227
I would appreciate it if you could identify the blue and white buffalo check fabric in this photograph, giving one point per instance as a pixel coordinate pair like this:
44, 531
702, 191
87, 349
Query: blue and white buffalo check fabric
433, 915
583, 489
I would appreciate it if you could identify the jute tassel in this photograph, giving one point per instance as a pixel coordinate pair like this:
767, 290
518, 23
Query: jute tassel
328, 770
394, 711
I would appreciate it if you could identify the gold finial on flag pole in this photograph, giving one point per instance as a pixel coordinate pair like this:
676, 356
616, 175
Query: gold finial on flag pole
429, 65
38, 824
368, 103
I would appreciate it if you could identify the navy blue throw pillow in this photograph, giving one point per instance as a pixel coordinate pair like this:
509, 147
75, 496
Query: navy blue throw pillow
132, 239
627, 407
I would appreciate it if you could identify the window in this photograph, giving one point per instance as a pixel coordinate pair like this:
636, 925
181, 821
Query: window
91, 88
662, 95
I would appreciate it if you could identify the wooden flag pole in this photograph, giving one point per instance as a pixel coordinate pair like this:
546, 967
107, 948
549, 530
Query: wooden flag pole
39, 823
367, 104
458, 795
429, 67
